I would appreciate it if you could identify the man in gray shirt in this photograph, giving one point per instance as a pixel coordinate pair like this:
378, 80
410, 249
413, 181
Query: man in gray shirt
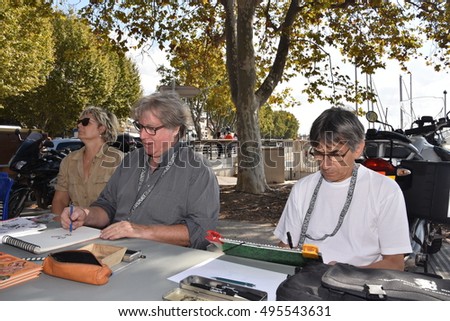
163, 191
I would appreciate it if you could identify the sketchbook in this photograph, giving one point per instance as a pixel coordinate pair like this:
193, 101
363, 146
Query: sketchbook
264, 252
20, 226
51, 239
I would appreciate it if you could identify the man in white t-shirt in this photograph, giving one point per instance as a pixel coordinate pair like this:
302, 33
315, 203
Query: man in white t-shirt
353, 214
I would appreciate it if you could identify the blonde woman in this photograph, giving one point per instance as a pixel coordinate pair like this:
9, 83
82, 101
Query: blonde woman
84, 173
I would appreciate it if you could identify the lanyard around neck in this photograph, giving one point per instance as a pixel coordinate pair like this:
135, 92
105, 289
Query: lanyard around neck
312, 204
149, 189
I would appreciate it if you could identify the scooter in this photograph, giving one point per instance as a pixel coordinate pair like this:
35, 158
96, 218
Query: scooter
36, 171
422, 171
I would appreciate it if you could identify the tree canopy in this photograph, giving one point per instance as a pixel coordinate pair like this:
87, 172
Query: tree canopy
195, 63
279, 124
26, 57
268, 42
85, 70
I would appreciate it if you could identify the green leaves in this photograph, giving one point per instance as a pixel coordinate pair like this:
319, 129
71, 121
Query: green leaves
279, 124
82, 69
26, 54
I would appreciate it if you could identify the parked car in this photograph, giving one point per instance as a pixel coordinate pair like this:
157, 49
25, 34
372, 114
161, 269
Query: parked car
64, 144
127, 142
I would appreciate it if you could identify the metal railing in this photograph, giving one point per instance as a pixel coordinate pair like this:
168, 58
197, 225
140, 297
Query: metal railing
284, 159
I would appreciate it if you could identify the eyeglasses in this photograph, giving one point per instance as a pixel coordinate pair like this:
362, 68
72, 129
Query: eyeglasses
334, 156
84, 121
149, 130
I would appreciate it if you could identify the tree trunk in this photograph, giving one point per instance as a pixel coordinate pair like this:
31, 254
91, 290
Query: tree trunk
251, 177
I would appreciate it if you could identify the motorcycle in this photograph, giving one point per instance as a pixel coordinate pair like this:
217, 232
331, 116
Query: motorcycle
426, 132
36, 170
421, 167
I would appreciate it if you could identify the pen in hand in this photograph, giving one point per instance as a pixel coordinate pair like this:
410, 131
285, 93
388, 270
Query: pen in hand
70, 216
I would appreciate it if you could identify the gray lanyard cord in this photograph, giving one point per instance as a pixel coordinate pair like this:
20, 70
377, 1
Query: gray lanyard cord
312, 204
147, 192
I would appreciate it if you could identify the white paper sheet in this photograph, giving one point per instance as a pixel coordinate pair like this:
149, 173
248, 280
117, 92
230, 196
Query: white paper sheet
263, 280
19, 226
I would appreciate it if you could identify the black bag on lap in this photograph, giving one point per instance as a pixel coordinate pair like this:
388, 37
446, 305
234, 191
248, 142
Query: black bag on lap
317, 281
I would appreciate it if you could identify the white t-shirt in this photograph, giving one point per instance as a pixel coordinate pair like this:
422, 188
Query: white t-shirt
376, 222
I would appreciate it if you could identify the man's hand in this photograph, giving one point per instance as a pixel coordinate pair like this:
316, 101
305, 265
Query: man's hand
120, 230
77, 218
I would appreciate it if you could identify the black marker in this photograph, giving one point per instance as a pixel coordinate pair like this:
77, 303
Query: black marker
290, 240
228, 291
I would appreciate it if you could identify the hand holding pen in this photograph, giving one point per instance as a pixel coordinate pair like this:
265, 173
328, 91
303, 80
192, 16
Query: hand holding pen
73, 217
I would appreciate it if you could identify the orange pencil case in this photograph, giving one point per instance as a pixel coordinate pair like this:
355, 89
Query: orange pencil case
77, 265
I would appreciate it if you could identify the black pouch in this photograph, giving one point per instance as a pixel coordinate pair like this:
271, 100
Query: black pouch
382, 284
344, 282
305, 284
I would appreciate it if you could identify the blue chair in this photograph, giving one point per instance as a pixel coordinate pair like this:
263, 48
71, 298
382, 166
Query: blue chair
6, 183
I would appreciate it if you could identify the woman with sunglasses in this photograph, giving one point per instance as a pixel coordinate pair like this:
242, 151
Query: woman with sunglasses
164, 191
84, 173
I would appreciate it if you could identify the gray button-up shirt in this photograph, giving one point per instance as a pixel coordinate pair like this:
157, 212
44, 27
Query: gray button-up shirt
188, 193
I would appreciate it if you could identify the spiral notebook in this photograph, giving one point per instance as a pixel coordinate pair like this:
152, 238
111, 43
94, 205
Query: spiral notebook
51, 239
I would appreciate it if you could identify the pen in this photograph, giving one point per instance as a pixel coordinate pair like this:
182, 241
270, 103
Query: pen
218, 278
70, 216
290, 240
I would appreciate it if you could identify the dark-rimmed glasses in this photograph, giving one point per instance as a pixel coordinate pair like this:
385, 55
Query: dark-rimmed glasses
333, 156
148, 129
84, 121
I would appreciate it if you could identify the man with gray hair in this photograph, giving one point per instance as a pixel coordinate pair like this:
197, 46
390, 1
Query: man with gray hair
353, 214
164, 191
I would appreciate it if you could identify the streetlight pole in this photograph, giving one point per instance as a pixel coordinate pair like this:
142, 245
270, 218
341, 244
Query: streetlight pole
445, 103
410, 98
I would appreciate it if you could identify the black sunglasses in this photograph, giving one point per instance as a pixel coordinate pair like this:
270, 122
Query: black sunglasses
84, 121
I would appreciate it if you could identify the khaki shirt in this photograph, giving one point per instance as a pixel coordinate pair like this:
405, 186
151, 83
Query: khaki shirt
71, 174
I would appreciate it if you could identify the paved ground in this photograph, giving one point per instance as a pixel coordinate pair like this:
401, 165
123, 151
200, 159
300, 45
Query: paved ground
252, 232
226, 180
